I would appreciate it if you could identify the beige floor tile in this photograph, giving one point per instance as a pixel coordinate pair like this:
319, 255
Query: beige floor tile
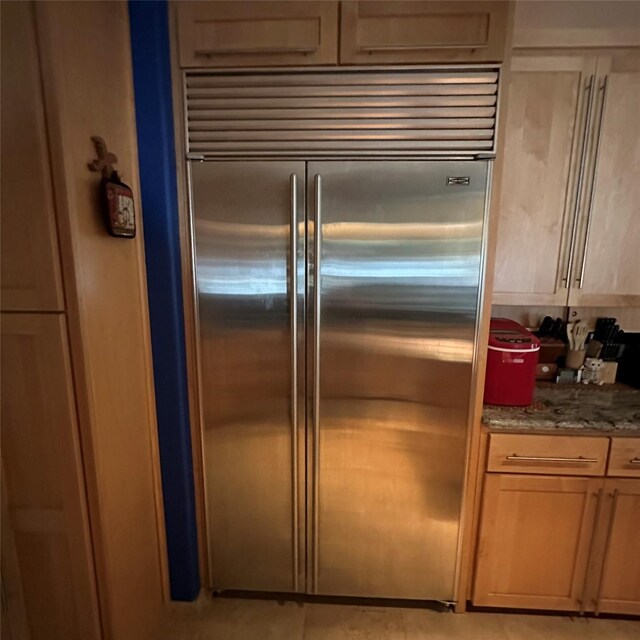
625, 629
537, 627
237, 619
430, 625
244, 619
347, 622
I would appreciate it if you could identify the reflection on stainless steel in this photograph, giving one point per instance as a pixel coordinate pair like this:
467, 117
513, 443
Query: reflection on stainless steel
242, 231
393, 418
412, 344
343, 405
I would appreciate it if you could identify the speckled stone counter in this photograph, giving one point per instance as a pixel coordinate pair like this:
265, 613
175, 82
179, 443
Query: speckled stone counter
585, 409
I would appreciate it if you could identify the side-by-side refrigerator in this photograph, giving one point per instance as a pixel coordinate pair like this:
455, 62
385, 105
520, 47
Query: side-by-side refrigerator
338, 222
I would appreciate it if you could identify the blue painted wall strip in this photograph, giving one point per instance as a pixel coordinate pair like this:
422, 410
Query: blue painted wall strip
154, 118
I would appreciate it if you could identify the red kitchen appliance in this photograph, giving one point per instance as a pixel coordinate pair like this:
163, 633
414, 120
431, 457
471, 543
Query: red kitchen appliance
511, 364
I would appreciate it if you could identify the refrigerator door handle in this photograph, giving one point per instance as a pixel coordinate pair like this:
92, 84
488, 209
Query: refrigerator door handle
293, 267
317, 249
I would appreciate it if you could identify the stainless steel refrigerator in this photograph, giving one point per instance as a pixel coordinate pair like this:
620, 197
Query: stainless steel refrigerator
337, 308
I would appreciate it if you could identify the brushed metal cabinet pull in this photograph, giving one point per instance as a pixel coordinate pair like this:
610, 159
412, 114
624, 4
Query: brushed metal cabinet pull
634, 460
579, 459
317, 249
598, 496
581, 169
207, 53
394, 48
612, 517
293, 266
602, 91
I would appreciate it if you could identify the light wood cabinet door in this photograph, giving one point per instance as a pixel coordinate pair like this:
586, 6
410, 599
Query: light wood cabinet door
414, 32
44, 503
607, 266
30, 263
614, 582
257, 34
535, 535
543, 147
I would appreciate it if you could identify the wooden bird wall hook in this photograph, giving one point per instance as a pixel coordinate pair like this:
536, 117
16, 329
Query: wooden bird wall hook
105, 160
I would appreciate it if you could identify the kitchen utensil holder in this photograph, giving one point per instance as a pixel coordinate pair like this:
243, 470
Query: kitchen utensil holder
575, 358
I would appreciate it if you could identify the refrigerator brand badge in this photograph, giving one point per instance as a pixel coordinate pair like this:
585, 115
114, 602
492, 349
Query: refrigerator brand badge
458, 180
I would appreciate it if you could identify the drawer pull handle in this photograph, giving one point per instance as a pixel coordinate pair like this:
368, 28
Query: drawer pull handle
207, 53
634, 461
579, 459
394, 48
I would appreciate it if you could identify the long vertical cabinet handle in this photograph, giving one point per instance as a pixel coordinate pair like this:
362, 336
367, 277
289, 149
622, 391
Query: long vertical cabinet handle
581, 169
317, 249
612, 518
602, 91
293, 266
596, 518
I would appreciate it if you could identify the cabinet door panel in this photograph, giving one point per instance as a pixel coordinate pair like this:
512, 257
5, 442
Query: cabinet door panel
608, 271
43, 483
406, 32
30, 264
616, 557
257, 34
543, 143
534, 541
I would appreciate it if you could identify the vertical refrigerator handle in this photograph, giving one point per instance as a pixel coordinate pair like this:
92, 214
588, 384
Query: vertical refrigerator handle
293, 267
317, 249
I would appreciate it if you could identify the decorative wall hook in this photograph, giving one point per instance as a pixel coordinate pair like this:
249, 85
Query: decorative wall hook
105, 160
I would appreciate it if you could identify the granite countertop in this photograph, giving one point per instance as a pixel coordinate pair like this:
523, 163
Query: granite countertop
563, 408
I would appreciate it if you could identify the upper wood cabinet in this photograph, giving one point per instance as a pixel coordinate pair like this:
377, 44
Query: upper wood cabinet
607, 266
254, 34
422, 32
545, 129
30, 263
569, 222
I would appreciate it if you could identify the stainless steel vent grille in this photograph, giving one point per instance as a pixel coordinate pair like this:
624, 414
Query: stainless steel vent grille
301, 113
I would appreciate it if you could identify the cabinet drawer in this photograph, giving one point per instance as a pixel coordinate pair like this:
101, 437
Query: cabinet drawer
252, 34
624, 459
410, 32
549, 455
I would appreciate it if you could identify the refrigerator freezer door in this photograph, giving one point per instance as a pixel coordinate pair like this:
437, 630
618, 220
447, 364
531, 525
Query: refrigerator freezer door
399, 272
250, 369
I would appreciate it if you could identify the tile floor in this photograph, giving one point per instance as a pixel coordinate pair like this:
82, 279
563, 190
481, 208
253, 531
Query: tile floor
240, 619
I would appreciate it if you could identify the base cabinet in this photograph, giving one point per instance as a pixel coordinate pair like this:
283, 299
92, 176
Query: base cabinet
534, 541
614, 583
559, 543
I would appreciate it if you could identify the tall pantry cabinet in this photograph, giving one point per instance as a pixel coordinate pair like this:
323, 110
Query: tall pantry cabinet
81, 542
569, 222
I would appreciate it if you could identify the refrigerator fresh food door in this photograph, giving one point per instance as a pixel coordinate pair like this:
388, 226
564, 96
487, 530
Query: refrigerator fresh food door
248, 225
393, 285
